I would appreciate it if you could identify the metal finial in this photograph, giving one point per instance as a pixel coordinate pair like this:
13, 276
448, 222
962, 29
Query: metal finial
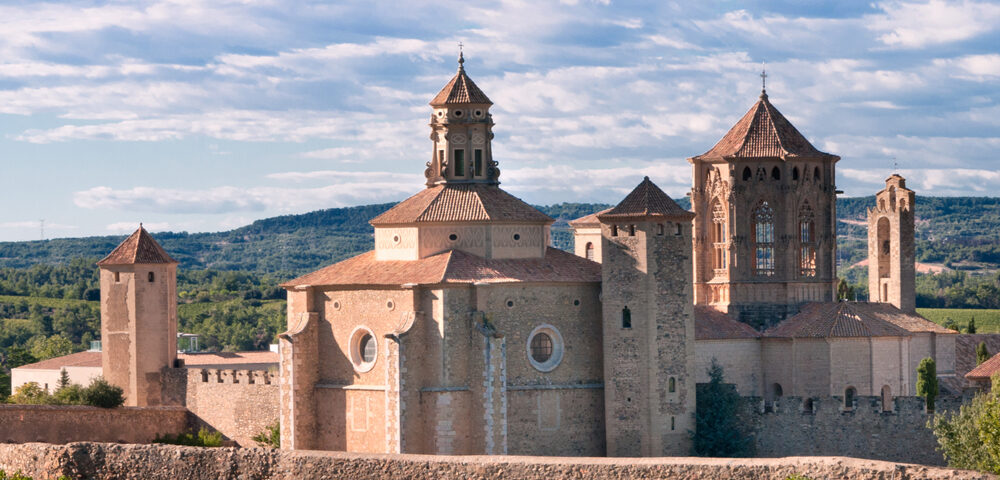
763, 77
461, 55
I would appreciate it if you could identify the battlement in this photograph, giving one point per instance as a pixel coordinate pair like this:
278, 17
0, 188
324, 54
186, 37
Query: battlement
233, 376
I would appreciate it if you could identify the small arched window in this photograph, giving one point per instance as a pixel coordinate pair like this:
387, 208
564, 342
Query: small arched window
589, 250
807, 406
631, 230
849, 395
763, 218
795, 173
614, 230
776, 390
150, 276
626, 317
672, 385
775, 173
747, 174
659, 229
816, 174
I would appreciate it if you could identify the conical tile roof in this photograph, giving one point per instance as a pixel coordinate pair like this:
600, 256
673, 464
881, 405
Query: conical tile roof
647, 200
461, 89
763, 133
140, 247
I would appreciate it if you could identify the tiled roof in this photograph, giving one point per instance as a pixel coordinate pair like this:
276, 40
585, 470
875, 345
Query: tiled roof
461, 89
647, 200
909, 321
454, 266
140, 247
986, 370
762, 132
711, 324
838, 319
194, 360
80, 359
588, 220
465, 202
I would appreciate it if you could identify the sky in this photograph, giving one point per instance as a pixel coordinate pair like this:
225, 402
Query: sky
195, 116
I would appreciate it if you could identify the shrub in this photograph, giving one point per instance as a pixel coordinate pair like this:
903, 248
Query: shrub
270, 437
971, 328
204, 438
927, 383
982, 354
102, 394
970, 438
31, 393
16, 476
718, 431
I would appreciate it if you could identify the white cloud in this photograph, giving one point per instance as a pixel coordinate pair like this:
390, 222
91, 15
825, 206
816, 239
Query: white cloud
37, 225
917, 25
129, 227
957, 181
972, 67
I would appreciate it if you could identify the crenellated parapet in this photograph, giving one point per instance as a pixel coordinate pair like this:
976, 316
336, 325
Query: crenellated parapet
233, 376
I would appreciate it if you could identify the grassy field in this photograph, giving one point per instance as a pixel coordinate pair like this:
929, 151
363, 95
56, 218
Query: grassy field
987, 321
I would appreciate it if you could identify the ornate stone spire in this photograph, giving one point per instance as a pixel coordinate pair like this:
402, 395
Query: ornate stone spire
462, 131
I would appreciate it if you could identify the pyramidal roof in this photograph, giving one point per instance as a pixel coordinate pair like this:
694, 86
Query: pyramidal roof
647, 200
847, 319
461, 89
763, 132
464, 202
140, 247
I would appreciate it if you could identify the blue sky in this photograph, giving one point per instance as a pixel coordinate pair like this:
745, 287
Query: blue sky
204, 116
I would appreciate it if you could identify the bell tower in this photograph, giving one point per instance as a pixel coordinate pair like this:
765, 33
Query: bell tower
891, 269
462, 133
138, 317
648, 325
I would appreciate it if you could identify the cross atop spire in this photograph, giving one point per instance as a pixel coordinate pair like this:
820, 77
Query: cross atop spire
763, 78
461, 56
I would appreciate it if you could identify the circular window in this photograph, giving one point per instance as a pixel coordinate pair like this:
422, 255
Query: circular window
395, 239
576, 303
336, 304
517, 236
364, 349
453, 237
390, 304
545, 348
510, 303
440, 113
458, 113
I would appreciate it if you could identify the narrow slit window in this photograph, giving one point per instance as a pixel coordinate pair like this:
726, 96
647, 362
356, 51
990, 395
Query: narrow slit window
459, 163
626, 318
118, 277
631, 230
478, 162
151, 277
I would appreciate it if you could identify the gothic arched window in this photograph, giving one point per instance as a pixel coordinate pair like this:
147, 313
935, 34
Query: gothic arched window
816, 174
807, 241
763, 235
795, 173
775, 174
720, 250
746, 174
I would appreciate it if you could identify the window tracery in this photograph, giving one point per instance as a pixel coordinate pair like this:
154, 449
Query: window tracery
720, 247
807, 241
763, 221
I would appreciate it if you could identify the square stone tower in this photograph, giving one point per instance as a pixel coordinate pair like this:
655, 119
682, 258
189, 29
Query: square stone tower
891, 269
138, 317
648, 318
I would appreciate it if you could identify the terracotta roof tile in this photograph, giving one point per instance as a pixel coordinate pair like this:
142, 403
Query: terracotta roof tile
79, 359
465, 202
461, 89
588, 220
909, 321
762, 132
138, 248
986, 370
711, 324
647, 200
453, 266
839, 319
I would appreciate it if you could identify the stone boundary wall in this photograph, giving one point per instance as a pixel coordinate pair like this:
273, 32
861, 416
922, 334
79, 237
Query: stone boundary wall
237, 403
865, 431
75, 423
167, 462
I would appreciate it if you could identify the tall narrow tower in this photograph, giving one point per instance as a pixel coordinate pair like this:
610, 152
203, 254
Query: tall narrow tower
649, 388
891, 270
138, 317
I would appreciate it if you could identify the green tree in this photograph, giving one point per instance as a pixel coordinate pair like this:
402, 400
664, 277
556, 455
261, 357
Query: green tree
718, 431
270, 437
950, 324
971, 328
16, 357
927, 382
54, 346
63, 380
30, 394
982, 354
970, 438
102, 394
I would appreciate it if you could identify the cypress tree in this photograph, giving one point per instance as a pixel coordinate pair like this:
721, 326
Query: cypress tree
982, 354
927, 383
718, 431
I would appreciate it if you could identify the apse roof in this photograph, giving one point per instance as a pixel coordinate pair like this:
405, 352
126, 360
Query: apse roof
647, 200
140, 247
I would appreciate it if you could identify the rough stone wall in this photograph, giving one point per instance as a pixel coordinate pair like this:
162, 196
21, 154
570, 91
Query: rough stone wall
73, 423
237, 403
166, 462
864, 431
891, 254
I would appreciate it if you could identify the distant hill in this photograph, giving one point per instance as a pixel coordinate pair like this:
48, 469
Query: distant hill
958, 232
